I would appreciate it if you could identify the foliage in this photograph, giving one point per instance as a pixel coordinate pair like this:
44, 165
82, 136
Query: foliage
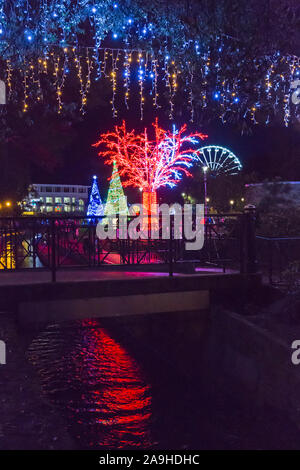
258, 27
291, 276
238, 50
276, 216
35, 140
279, 222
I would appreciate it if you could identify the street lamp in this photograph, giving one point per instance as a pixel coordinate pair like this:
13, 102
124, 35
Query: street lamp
231, 202
205, 168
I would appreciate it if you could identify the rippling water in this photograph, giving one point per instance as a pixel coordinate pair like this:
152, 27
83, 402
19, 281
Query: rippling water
99, 387
110, 402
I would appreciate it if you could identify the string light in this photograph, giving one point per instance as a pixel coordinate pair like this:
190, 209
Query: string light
114, 59
59, 82
141, 76
89, 65
154, 72
167, 79
236, 97
84, 84
191, 95
127, 62
43, 26
8, 76
25, 88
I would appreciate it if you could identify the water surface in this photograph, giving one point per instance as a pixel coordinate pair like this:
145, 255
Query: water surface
112, 398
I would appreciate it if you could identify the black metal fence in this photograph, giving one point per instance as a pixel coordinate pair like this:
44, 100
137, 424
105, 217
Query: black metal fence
58, 242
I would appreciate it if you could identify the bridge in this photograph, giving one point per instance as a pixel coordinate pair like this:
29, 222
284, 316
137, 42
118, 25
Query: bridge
56, 269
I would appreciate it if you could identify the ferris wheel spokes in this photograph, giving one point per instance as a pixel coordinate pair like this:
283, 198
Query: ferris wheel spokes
219, 160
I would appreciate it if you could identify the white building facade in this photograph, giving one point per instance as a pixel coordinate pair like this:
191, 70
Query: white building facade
56, 199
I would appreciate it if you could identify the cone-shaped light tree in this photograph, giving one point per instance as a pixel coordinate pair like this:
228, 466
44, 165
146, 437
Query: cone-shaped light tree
116, 202
148, 163
95, 207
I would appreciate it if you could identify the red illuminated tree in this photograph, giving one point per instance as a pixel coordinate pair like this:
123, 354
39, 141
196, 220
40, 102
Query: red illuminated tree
147, 163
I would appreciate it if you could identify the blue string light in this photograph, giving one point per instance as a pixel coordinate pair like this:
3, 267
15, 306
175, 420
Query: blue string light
49, 24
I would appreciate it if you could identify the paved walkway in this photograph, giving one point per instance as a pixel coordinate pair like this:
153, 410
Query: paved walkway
79, 275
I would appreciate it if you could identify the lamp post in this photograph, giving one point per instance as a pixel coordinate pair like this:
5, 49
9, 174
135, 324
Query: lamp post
205, 168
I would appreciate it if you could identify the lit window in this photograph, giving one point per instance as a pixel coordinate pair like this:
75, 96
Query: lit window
58, 200
67, 208
49, 208
49, 200
81, 202
73, 200
67, 200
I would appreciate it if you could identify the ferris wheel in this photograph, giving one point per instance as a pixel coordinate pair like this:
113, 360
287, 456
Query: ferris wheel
219, 160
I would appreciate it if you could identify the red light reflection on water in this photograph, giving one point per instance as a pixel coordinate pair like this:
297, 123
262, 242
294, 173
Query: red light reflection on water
115, 408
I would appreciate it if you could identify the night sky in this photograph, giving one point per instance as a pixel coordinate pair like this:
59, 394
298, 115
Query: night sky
272, 151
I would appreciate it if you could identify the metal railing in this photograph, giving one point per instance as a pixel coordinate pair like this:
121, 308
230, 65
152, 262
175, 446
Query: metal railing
53, 243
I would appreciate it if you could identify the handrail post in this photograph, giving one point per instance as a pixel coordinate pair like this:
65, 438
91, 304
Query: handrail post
90, 227
53, 251
250, 241
171, 271
242, 230
33, 241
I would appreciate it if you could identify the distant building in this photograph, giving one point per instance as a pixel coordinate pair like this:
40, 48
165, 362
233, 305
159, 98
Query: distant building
56, 199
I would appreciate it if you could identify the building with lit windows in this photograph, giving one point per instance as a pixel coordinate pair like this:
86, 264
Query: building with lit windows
56, 199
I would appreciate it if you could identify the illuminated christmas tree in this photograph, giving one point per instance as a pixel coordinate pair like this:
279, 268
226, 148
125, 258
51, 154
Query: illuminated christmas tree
116, 202
95, 207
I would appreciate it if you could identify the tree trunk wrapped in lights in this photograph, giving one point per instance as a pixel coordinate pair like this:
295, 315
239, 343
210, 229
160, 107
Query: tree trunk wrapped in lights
147, 163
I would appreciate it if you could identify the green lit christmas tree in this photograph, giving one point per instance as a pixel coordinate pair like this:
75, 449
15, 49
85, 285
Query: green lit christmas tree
116, 202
